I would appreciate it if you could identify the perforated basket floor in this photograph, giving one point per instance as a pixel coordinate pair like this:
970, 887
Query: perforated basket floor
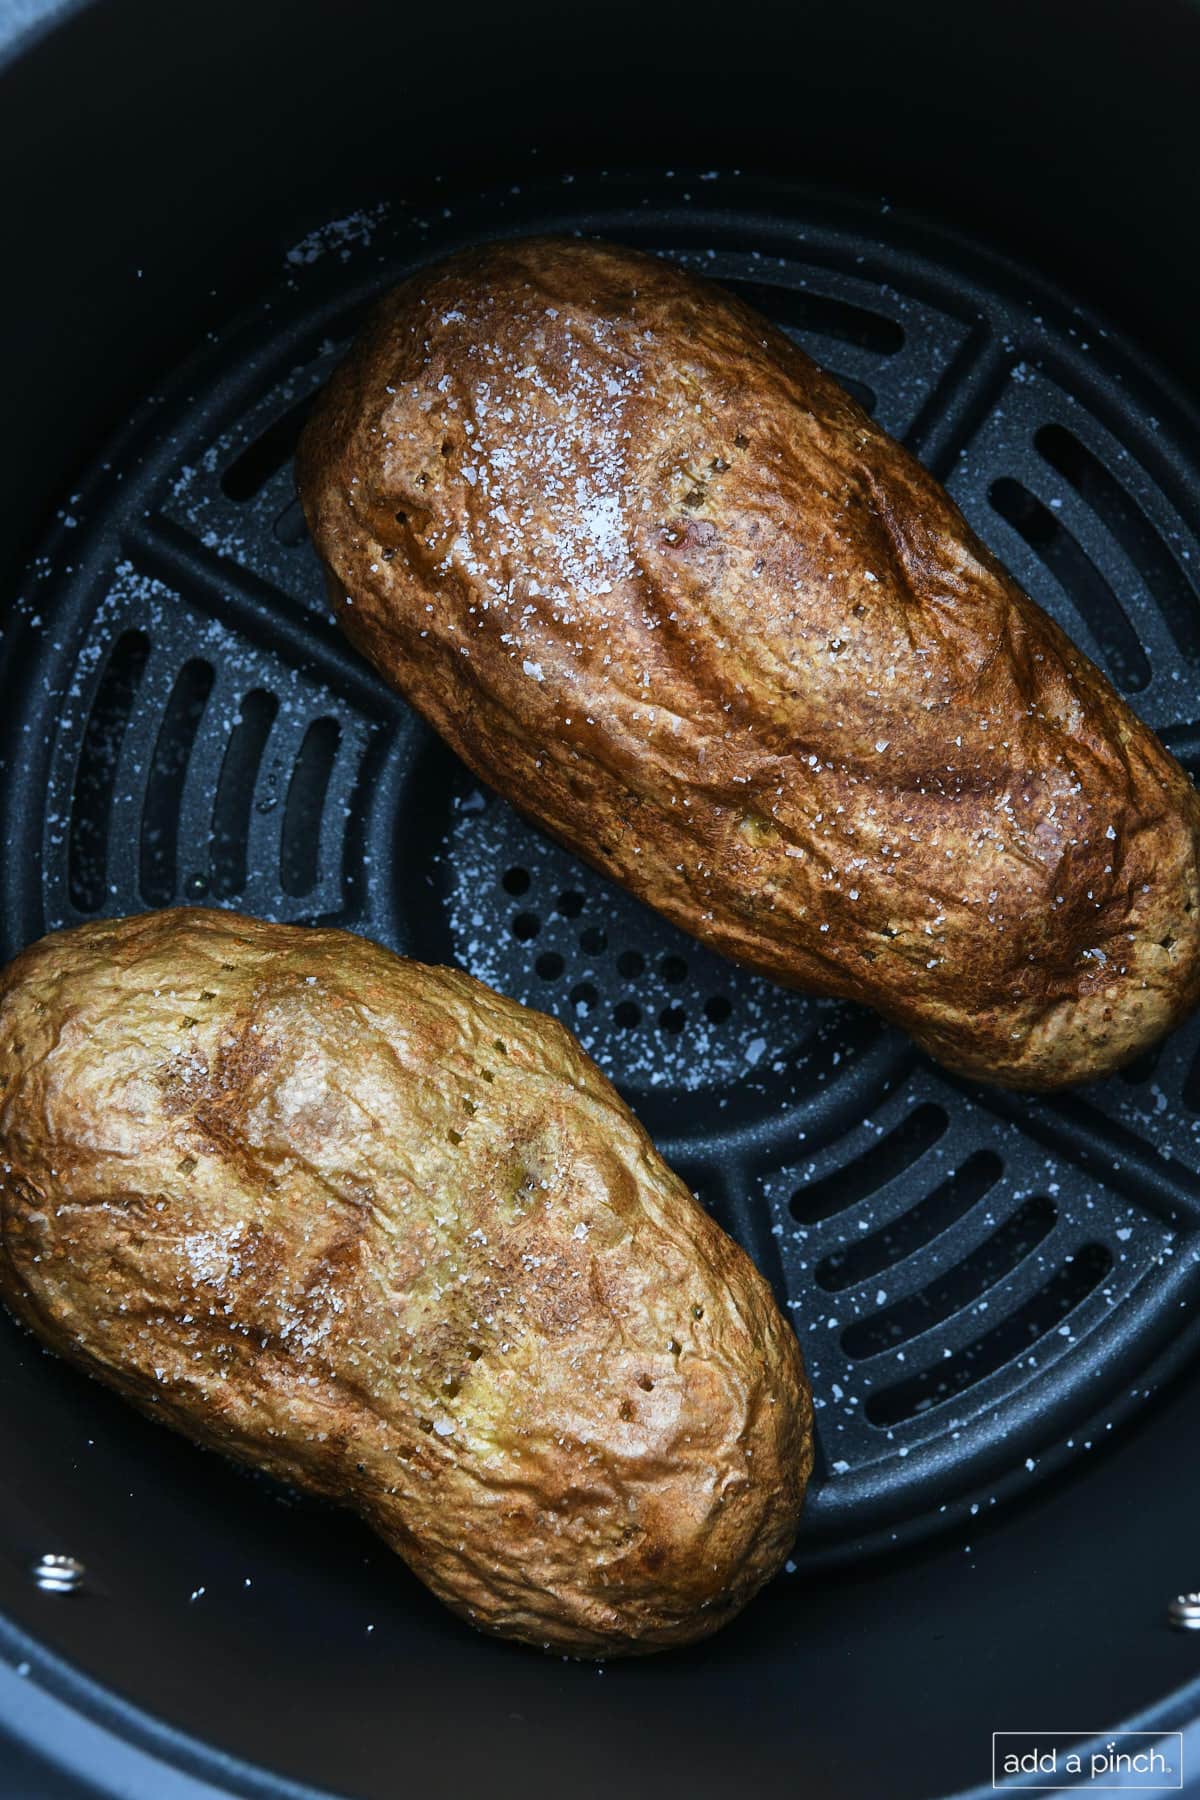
983, 1284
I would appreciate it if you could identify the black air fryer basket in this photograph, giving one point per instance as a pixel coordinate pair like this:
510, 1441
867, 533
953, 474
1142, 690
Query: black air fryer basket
982, 221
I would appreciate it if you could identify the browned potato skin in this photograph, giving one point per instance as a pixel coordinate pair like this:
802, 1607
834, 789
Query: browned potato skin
368, 1226
660, 581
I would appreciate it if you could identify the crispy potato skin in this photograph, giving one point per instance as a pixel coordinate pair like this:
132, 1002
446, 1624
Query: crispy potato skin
660, 581
368, 1226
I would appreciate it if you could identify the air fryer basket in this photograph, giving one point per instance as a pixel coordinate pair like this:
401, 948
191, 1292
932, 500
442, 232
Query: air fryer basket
995, 1295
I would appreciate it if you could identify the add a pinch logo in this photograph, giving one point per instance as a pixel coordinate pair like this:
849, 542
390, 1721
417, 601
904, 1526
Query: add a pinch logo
1128, 1762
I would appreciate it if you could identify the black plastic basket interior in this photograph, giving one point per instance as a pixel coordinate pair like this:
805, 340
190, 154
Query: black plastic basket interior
982, 1283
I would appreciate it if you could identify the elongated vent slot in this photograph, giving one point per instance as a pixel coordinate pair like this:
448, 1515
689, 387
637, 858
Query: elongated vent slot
168, 770
959, 1288
1082, 581
1013, 1338
1142, 543
92, 801
235, 792
866, 1173
950, 1201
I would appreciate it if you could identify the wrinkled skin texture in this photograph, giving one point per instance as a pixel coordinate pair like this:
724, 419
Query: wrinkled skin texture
663, 584
368, 1226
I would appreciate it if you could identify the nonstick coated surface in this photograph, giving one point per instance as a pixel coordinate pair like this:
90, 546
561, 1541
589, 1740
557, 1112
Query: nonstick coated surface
986, 1287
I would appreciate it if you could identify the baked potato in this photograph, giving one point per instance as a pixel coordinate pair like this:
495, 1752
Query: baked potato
371, 1228
656, 578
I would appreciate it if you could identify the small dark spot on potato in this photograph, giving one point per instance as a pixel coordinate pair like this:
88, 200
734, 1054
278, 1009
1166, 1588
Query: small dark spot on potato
694, 498
188, 1022
500, 1046
402, 518
474, 1352
645, 1383
455, 1137
186, 1164
741, 442
206, 995
675, 1347
425, 1424
626, 1411
697, 1312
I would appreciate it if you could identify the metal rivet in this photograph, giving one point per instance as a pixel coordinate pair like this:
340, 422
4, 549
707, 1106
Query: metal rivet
59, 1574
1184, 1612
